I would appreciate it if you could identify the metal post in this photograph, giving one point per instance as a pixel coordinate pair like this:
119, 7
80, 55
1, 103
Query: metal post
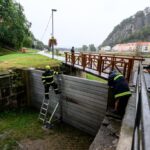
53, 32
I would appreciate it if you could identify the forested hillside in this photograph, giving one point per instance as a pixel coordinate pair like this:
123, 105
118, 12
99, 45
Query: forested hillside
134, 28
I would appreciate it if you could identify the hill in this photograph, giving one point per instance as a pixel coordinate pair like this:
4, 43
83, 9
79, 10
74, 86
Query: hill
134, 28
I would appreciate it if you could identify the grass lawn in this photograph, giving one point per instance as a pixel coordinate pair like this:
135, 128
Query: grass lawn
25, 60
92, 77
20, 125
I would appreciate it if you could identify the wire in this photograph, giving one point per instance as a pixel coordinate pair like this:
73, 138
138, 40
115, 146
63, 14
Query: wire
46, 28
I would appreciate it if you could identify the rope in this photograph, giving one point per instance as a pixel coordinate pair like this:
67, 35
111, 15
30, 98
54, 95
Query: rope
46, 27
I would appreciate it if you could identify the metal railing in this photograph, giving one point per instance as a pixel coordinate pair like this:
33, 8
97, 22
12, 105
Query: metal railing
141, 134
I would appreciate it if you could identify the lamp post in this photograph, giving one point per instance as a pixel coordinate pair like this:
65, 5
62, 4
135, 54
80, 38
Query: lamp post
53, 32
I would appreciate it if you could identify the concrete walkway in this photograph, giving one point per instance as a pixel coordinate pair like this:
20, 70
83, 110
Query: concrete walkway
108, 136
50, 56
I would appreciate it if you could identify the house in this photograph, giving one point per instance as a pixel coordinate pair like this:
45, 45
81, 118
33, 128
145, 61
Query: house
106, 48
132, 47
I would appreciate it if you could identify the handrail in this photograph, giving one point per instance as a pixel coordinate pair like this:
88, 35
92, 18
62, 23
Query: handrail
102, 63
141, 134
106, 55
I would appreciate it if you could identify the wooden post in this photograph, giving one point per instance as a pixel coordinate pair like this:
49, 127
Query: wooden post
83, 61
113, 63
124, 69
73, 58
90, 61
0, 94
131, 71
99, 65
130, 67
27, 86
80, 58
66, 57
103, 63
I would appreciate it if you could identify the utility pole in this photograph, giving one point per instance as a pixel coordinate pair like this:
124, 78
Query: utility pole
53, 32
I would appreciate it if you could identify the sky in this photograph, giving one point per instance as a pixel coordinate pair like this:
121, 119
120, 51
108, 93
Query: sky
78, 22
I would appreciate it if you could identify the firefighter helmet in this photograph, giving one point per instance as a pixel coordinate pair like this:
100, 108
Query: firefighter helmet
47, 67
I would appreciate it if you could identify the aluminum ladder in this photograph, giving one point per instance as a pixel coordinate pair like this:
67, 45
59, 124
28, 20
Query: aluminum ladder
45, 105
44, 110
50, 121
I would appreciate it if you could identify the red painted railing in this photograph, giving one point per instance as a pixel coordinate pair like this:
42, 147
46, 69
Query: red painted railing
102, 63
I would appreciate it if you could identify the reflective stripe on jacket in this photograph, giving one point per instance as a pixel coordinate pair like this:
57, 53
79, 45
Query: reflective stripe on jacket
48, 77
123, 94
120, 85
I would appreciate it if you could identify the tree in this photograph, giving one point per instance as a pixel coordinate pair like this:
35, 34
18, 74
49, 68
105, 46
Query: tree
99, 47
38, 44
27, 42
92, 48
84, 48
14, 27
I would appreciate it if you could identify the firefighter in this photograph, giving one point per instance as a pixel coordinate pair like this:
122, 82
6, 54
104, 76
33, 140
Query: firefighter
48, 80
72, 50
121, 91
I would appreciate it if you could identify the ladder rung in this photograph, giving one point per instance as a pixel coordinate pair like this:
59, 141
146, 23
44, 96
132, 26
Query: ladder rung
44, 108
45, 103
42, 114
42, 119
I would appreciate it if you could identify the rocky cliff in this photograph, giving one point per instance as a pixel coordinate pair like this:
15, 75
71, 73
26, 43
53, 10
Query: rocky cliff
134, 28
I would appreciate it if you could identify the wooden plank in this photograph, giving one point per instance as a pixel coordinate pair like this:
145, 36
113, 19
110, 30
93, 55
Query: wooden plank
38, 80
36, 83
83, 117
81, 127
36, 71
85, 103
36, 77
83, 110
94, 109
38, 92
33, 79
37, 89
39, 97
84, 122
27, 86
84, 81
89, 87
85, 89
101, 99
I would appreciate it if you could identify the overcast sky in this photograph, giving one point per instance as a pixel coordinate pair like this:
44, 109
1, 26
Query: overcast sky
79, 22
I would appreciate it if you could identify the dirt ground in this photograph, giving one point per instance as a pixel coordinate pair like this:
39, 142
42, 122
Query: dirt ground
63, 140
54, 143
20, 130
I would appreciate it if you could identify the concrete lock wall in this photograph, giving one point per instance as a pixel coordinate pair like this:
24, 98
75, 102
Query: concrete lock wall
83, 102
